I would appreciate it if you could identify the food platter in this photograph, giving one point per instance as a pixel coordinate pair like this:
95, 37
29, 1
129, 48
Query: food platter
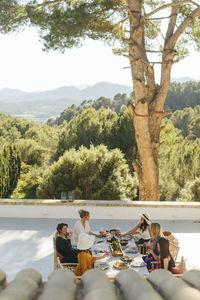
116, 249
127, 259
120, 265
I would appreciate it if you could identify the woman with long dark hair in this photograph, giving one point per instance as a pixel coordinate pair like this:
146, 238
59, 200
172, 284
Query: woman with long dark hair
143, 227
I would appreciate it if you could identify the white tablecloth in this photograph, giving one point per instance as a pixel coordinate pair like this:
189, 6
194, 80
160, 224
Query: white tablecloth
110, 260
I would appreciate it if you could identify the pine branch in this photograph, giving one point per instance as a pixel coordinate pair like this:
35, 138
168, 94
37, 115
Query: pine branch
173, 39
161, 18
121, 22
49, 3
166, 6
172, 22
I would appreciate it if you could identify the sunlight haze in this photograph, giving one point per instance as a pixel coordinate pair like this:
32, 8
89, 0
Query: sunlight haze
26, 67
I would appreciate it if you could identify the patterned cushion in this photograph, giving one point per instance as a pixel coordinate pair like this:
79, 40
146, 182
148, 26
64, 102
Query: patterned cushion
60, 257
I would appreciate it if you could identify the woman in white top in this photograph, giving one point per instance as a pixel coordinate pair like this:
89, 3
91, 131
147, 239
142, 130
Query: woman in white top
81, 226
143, 227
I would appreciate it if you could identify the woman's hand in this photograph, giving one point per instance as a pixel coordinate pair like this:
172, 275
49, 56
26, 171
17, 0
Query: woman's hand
69, 235
103, 256
106, 254
98, 235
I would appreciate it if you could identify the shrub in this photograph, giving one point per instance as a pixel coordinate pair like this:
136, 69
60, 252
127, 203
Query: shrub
191, 191
94, 173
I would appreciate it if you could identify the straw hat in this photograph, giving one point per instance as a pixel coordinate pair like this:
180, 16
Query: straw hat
85, 241
146, 217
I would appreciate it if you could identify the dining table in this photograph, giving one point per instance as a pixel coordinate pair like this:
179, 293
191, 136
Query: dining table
110, 263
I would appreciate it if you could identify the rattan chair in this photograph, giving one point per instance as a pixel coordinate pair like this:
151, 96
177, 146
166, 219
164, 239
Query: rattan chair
174, 250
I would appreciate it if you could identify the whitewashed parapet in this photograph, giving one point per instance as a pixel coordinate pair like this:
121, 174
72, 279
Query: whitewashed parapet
99, 209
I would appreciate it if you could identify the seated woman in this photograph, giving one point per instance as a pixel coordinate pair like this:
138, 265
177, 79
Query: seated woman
63, 244
167, 261
85, 259
153, 250
143, 227
81, 226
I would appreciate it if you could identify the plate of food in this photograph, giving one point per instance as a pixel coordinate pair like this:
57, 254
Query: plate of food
120, 265
138, 264
127, 259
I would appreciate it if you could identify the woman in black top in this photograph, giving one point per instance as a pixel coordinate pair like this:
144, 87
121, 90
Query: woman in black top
167, 261
63, 244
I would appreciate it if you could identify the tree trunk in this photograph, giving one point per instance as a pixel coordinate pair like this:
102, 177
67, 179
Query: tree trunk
147, 129
149, 101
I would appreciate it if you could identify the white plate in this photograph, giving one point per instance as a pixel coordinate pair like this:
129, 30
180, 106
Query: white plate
138, 264
103, 266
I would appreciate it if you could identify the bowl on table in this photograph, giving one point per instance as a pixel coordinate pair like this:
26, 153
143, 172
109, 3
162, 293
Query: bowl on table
123, 242
103, 233
113, 231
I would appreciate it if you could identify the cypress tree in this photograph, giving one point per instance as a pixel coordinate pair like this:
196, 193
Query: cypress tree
10, 165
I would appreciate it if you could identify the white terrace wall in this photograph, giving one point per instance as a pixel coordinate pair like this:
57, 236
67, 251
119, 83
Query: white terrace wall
15, 208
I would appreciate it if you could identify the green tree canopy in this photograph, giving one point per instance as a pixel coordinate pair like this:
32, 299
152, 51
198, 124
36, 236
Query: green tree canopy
187, 121
181, 95
94, 173
97, 127
12, 129
179, 163
28, 182
190, 191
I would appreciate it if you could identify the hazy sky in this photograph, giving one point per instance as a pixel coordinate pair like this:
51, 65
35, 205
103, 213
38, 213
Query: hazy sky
24, 66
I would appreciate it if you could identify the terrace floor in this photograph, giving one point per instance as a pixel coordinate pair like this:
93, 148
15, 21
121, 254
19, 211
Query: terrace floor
27, 242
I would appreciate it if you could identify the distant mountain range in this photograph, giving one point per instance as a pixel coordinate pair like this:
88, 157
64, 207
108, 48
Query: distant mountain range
183, 79
70, 94
40, 106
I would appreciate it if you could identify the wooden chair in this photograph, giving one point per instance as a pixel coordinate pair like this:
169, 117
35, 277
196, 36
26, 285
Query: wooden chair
142, 249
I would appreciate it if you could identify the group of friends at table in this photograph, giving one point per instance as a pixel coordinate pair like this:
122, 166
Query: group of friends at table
75, 246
